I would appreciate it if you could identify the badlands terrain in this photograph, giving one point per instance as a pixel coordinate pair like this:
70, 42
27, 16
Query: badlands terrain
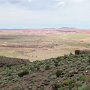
43, 43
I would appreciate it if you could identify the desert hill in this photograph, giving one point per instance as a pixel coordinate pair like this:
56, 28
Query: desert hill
68, 72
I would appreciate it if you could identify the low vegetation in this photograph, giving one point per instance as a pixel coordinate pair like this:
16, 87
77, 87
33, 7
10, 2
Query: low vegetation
68, 72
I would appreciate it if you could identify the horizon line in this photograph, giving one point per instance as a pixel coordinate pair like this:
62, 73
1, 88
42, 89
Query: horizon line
42, 28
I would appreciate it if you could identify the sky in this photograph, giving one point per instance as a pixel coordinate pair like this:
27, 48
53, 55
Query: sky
26, 14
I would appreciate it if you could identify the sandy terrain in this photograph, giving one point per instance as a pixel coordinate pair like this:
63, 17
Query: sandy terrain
42, 44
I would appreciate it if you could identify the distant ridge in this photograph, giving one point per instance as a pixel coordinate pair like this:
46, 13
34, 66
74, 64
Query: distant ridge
43, 28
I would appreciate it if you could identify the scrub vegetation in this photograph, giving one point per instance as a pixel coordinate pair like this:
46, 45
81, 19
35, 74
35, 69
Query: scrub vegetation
68, 72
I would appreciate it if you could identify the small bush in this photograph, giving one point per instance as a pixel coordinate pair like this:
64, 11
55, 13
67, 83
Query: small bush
89, 61
21, 74
47, 67
40, 87
68, 82
56, 63
16, 88
55, 87
58, 73
81, 78
84, 87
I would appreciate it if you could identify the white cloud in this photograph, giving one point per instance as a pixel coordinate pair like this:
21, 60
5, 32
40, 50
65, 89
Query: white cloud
60, 3
30, 0
78, 1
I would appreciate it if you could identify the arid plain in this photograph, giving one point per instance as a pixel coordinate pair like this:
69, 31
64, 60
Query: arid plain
42, 44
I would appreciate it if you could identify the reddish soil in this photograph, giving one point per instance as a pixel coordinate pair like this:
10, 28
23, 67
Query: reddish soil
46, 31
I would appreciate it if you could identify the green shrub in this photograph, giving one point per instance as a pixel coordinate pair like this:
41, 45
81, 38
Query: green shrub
81, 78
16, 88
47, 67
84, 87
55, 86
89, 61
81, 68
21, 74
59, 73
68, 82
40, 87
56, 63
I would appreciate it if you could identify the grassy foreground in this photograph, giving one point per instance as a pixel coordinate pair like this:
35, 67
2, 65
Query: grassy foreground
68, 72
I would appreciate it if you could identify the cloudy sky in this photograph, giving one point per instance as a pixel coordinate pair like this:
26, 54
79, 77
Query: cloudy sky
44, 14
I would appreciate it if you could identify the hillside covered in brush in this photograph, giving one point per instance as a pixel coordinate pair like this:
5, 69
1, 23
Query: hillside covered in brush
68, 72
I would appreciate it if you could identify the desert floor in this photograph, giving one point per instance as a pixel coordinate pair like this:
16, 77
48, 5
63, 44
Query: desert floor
42, 44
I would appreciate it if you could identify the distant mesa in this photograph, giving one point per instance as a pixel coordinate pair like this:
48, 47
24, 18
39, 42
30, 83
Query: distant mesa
68, 28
